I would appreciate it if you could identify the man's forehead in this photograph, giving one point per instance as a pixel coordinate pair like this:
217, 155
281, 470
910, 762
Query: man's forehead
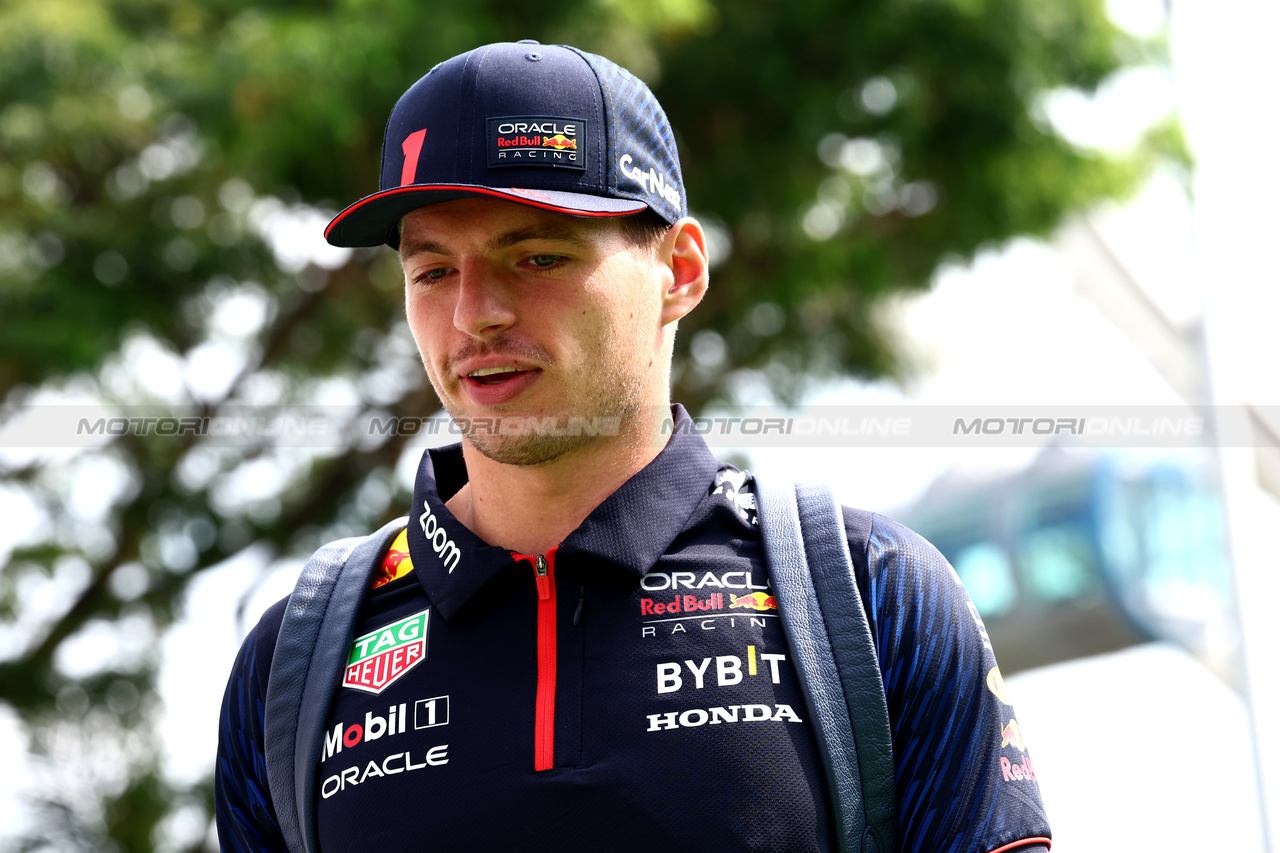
496, 223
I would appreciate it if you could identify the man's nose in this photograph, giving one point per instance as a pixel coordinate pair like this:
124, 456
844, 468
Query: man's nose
485, 303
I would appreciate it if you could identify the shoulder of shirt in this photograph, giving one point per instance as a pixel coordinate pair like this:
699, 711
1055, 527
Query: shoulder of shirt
261, 641
865, 529
260, 644
883, 548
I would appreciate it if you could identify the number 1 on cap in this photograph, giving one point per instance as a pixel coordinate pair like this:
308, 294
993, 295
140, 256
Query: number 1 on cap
412, 147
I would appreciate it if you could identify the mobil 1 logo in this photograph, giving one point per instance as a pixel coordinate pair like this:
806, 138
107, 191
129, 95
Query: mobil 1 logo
425, 714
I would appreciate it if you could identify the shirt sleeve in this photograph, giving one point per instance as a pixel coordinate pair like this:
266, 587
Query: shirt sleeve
245, 815
964, 780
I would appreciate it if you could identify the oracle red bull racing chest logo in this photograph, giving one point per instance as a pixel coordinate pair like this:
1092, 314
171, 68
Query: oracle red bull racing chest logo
381, 657
677, 602
691, 604
537, 141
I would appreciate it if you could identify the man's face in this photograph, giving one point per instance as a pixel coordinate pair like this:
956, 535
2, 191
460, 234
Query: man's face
522, 313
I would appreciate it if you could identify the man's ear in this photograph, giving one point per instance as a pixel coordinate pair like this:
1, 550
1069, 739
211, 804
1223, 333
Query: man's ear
684, 252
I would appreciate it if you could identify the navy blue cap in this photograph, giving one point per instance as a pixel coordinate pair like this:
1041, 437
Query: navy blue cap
548, 126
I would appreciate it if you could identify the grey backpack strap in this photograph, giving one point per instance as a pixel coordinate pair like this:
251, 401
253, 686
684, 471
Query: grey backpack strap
311, 650
830, 641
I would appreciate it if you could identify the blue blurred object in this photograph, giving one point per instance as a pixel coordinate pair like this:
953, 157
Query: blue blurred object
1083, 553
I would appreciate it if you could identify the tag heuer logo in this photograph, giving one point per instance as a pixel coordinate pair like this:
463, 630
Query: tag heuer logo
380, 657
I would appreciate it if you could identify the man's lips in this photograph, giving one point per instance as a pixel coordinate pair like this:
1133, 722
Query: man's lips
497, 372
494, 386
494, 375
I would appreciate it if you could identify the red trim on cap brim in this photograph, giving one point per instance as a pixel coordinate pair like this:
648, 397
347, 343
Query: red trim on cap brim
1026, 842
616, 206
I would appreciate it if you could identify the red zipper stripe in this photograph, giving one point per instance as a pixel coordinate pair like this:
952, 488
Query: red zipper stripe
544, 709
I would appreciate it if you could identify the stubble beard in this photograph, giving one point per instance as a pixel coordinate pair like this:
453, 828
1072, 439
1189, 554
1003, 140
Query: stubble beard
531, 443
605, 408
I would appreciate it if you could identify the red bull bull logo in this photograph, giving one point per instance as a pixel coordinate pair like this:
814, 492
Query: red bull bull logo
559, 142
1011, 735
396, 564
753, 601
386, 573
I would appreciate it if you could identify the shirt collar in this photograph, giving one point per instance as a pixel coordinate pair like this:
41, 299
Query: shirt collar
629, 530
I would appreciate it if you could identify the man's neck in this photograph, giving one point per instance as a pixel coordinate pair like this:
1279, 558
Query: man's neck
532, 508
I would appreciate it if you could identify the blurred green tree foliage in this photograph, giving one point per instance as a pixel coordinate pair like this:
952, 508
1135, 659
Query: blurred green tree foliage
841, 150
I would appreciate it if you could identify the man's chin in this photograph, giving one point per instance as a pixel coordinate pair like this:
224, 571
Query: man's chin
527, 451
512, 438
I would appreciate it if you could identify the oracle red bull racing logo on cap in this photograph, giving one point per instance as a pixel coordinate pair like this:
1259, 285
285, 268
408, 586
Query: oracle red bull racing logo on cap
381, 657
537, 141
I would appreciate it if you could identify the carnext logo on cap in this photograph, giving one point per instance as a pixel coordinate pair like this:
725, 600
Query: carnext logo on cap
537, 141
652, 181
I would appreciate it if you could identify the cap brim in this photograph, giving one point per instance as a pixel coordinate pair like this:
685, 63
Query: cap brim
372, 220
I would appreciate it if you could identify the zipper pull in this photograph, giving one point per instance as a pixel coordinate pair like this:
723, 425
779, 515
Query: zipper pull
544, 581
577, 613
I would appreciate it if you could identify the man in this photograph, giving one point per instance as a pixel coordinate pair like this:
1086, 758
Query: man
574, 645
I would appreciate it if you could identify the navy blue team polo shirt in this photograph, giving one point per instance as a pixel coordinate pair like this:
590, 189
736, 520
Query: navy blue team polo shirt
631, 689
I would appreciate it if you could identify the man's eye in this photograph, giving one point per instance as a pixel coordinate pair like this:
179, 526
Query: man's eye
433, 274
544, 261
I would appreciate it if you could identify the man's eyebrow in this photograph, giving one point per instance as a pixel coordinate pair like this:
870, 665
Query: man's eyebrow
559, 233
409, 248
